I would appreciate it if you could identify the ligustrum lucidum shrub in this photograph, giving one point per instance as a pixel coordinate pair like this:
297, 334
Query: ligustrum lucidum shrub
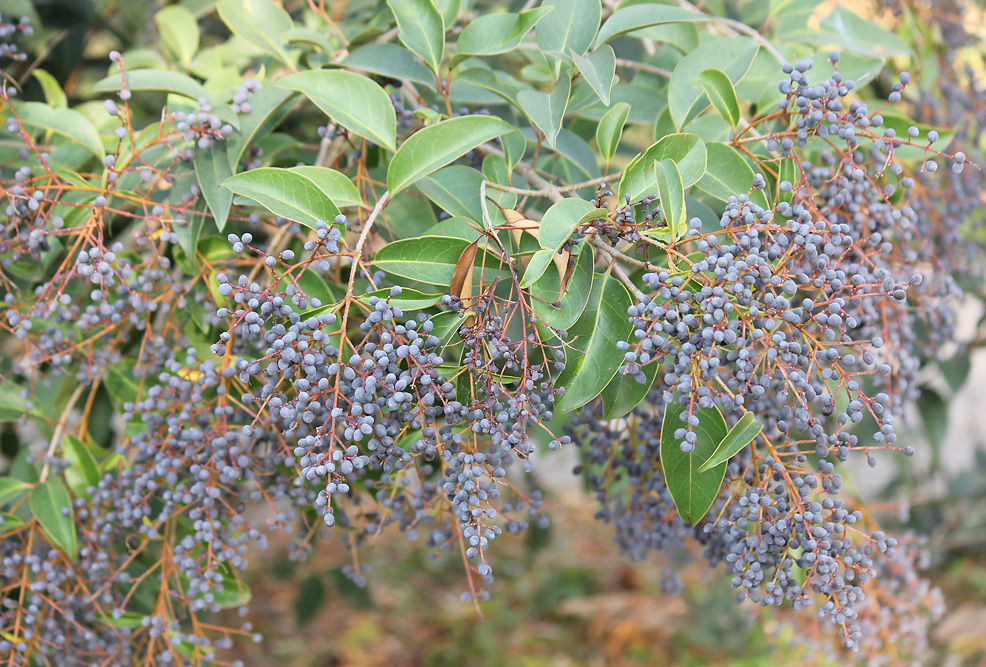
368, 267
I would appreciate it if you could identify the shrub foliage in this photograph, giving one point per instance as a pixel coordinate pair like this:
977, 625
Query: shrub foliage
367, 267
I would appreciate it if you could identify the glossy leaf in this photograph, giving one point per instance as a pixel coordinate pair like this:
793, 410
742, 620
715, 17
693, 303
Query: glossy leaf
594, 359
83, 472
489, 80
352, 100
121, 383
421, 29
390, 60
66, 122
846, 29
693, 492
12, 406
12, 489
335, 185
212, 169
599, 70
437, 145
536, 268
269, 106
687, 151
260, 22
491, 34
307, 36
732, 175
610, 130
733, 56
671, 194
546, 110
544, 292
427, 259
455, 189
54, 95
624, 392
636, 17
153, 80
571, 26
408, 299
286, 193
721, 93
449, 9
739, 436
562, 219
48, 501
179, 32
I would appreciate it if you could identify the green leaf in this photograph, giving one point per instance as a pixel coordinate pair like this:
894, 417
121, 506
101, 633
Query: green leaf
624, 392
934, 418
539, 263
733, 56
562, 219
390, 60
426, 259
641, 16
570, 26
9, 522
514, 146
844, 28
409, 299
421, 28
456, 227
671, 193
491, 34
83, 472
153, 80
547, 110
260, 22
599, 70
687, 151
54, 94
48, 501
732, 175
211, 169
544, 292
693, 492
721, 93
610, 130
307, 36
268, 108
12, 489
66, 122
308, 600
579, 158
491, 81
739, 436
595, 358
121, 383
352, 100
449, 9
179, 32
437, 145
286, 193
455, 189
12, 406
335, 185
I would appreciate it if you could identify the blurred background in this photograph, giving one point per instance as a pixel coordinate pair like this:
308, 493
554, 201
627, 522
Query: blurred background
565, 595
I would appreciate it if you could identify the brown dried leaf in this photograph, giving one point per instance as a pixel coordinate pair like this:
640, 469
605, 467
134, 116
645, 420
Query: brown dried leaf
462, 276
518, 224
